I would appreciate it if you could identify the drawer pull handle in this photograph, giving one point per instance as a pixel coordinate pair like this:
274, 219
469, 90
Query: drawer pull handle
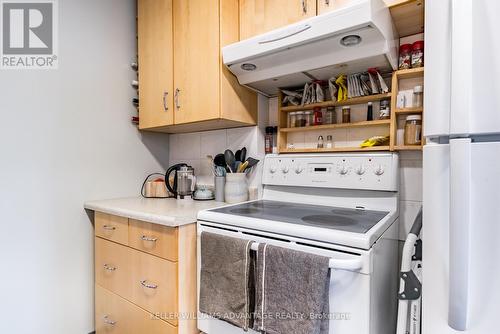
109, 227
151, 239
149, 286
108, 321
108, 267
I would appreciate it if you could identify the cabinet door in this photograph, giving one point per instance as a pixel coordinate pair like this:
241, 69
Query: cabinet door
196, 60
329, 5
260, 16
155, 63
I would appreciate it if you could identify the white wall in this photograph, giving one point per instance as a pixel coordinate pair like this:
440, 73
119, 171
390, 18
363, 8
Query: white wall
66, 138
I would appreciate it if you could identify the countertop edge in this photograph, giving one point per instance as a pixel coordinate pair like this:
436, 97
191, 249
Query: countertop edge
171, 221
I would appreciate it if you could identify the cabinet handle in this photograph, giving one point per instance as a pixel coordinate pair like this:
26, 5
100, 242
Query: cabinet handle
165, 106
149, 286
108, 321
151, 239
176, 98
108, 267
304, 6
327, 2
109, 227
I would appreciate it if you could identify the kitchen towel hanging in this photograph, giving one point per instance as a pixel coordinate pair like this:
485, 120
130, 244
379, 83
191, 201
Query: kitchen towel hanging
224, 282
291, 291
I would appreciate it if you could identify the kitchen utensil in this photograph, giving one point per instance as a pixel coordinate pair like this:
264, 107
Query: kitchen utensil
241, 168
237, 156
220, 160
229, 157
183, 180
251, 162
243, 154
236, 166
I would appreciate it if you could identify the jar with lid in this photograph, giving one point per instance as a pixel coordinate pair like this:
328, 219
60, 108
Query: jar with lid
309, 118
268, 140
318, 116
292, 119
417, 54
330, 116
385, 110
405, 52
413, 130
418, 96
346, 114
300, 119
329, 141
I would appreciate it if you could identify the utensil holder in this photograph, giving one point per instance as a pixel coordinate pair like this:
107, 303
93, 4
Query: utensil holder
220, 182
236, 188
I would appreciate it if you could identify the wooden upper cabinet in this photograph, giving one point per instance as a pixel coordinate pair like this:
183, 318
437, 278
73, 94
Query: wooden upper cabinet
155, 63
196, 60
260, 16
329, 5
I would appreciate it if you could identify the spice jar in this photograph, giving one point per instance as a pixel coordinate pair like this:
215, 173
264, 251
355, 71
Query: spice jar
413, 130
268, 140
417, 54
300, 120
405, 52
320, 142
292, 119
385, 110
330, 116
318, 116
346, 114
309, 118
418, 96
329, 141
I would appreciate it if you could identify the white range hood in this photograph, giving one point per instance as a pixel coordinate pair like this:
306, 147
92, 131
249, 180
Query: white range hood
348, 40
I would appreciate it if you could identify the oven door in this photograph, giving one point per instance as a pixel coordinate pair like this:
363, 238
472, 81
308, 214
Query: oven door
350, 288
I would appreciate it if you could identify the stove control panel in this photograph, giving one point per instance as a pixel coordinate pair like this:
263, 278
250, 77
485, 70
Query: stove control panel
375, 171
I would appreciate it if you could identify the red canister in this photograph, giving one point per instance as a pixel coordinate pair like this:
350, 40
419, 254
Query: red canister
417, 54
405, 56
318, 116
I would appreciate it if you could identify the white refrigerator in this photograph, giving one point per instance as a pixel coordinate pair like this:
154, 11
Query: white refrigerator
461, 227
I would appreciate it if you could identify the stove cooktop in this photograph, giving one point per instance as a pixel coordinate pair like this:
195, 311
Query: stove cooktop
329, 217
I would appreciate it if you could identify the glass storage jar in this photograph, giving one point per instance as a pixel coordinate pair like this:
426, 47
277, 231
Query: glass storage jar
346, 114
300, 119
330, 116
309, 118
405, 51
413, 130
418, 96
417, 54
292, 119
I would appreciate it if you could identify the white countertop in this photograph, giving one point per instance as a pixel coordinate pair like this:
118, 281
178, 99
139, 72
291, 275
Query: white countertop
168, 212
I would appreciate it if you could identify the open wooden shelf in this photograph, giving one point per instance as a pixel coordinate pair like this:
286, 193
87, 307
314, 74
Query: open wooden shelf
410, 73
418, 110
353, 101
335, 149
378, 122
408, 148
408, 17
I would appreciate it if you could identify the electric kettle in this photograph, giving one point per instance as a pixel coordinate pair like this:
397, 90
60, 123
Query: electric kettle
184, 181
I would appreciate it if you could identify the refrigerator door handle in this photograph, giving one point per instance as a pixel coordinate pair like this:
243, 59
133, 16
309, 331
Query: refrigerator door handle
461, 60
460, 226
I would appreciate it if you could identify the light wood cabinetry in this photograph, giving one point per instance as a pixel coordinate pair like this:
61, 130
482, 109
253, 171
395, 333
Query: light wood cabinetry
203, 94
111, 227
260, 16
156, 65
325, 6
144, 289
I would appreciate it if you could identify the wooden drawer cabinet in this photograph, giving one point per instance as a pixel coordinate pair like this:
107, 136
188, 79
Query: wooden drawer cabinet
111, 227
154, 239
113, 267
144, 271
114, 314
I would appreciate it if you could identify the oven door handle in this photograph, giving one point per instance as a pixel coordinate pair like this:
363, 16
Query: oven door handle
351, 264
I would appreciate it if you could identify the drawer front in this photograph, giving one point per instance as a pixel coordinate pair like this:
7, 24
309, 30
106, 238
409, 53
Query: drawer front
114, 314
154, 285
111, 227
113, 269
154, 239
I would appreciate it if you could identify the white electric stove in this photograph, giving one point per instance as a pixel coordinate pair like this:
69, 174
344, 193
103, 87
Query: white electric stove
344, 206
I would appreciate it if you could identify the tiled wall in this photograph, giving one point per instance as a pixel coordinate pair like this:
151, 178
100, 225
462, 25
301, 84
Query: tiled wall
193, 148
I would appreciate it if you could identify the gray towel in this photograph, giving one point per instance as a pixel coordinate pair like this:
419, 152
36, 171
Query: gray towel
224, 281
292, 292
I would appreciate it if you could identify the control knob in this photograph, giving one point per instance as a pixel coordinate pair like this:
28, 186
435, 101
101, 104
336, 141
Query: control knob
299, 169
360, 170
272, 169
379, 171
343, 170
285, 169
